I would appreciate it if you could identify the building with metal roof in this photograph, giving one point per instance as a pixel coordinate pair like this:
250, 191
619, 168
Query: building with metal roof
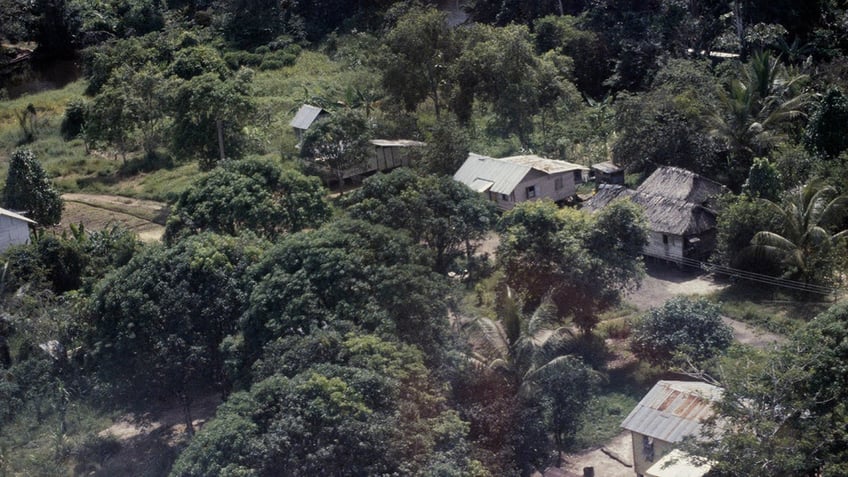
303, 119
14, 229
671, 411
510, 180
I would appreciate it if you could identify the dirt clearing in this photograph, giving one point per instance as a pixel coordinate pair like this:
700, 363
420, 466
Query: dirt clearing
96, 212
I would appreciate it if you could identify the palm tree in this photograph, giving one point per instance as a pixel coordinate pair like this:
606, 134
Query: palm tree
524, 350
808, 243
752, 109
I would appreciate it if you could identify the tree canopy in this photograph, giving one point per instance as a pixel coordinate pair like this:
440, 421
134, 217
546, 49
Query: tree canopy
28, 190
249, 195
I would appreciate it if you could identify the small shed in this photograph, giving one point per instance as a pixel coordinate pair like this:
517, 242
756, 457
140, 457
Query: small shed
306, 115
511, 180
671, 411
392, 153
608, 173
14, 229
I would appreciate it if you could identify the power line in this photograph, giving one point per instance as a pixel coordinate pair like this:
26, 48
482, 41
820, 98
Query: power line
750, 276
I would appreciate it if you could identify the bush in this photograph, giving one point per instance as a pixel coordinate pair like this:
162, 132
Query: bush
682, 325
74, 119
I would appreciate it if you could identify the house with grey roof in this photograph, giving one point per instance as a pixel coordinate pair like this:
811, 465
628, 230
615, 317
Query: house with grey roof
303, 119
679, 206
510, 180
14, 229
671, 411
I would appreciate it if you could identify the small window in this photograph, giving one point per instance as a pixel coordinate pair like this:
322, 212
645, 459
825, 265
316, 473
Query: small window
578, 177
504, 197
531, 192
665, 239
558, 183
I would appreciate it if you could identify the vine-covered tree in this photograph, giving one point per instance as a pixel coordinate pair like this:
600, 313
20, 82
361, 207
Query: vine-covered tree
27, 189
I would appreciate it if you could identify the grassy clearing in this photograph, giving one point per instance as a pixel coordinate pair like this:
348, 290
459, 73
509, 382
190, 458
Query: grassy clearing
39, 448
768, 308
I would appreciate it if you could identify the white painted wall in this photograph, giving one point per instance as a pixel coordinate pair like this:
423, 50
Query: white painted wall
12, 232
656, 247
545, 188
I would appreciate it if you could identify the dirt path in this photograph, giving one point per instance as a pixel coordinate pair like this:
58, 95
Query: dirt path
600, 459
97, 211
149, 443
666, 281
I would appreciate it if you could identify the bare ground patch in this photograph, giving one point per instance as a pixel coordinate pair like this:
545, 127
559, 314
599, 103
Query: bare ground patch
97, 212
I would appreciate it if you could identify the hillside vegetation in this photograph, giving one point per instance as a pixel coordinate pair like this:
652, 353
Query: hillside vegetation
281, 327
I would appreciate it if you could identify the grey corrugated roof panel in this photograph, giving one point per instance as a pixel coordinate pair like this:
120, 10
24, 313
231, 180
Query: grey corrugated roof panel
673, 410
505, 176
14, 215
397, 143
306, 115
607, 167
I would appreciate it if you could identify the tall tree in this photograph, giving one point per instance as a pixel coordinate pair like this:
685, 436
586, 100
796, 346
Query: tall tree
446, 216
584, 262
28, 189
338, 143
783, 412
250, 194
209, 115
420, 50
825, 133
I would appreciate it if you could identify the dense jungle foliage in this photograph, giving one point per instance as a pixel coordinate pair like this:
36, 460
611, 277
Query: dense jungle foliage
378, 331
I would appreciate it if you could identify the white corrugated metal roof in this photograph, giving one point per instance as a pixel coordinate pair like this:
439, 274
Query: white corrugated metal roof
673, 410
678, 464
507, 172
504, 176
397, 143
9, 213
306, 115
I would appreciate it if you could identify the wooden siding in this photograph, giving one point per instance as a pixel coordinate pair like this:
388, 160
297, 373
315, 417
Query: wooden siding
656, 247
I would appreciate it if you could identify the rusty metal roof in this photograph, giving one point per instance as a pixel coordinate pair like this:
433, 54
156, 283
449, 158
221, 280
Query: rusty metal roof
673, 410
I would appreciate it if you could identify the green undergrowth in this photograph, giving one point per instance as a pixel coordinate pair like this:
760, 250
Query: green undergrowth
768, 308
40, 447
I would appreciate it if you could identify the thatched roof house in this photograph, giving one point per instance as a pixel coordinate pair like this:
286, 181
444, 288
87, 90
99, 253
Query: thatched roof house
678, 206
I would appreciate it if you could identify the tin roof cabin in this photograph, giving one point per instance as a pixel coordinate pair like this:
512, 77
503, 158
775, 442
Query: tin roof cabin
511, 180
